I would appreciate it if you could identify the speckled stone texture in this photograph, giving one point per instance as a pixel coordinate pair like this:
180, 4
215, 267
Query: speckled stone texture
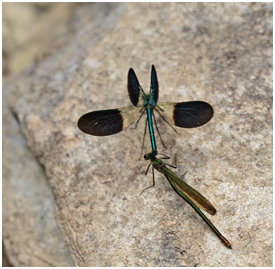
217, 52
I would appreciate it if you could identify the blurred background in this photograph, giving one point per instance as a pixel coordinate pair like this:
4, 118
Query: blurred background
28, 29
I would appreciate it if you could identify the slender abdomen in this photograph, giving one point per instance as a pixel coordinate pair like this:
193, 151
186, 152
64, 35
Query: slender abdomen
151, 128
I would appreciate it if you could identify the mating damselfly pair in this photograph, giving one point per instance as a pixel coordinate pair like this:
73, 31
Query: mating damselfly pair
184, 114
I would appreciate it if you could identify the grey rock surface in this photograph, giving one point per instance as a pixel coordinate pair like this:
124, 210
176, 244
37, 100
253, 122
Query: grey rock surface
30, 232
217, 52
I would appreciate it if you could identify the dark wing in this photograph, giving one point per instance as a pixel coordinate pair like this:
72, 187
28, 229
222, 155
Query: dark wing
187, 114
133, 87
108, 122
154, 85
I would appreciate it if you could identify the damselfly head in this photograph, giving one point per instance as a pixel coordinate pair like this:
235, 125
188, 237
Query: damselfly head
147, 156
151, 155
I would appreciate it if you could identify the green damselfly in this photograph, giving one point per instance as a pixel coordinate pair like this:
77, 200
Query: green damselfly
190, 195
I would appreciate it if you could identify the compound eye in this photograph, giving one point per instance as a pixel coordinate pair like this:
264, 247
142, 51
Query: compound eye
146, 156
